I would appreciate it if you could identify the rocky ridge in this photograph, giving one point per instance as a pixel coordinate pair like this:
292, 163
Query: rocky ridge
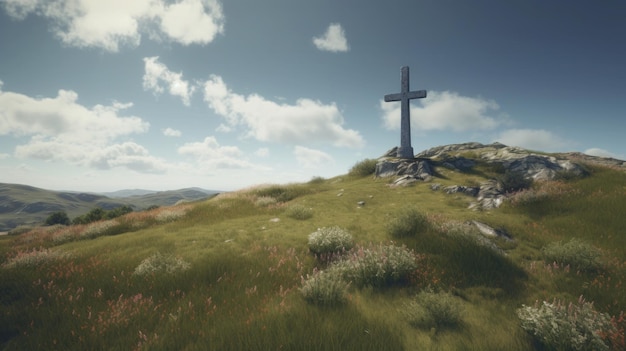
490, 194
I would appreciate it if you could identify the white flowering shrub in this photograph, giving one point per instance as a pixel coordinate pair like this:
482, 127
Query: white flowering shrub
96, 229
330, 240
265, 201
159, 263
575, 253
170, 214
324, 288
430, 309
33, 258
561, 326
377, 265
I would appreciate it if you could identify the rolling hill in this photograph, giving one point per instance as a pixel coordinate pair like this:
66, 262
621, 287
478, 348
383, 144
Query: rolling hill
418, 268
27, 205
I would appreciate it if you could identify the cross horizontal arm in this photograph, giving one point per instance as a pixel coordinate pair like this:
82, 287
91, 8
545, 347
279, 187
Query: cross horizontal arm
416, 94
410, 95
393, 97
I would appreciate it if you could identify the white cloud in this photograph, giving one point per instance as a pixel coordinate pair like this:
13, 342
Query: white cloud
533, 139
61, 129
192, 21
333, 40
267, 120
209, 153
310, 158
594, 151
155, 73
444, 111
109, 24
262, 152
172, 132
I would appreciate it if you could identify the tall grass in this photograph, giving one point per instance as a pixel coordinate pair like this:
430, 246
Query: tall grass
237, 277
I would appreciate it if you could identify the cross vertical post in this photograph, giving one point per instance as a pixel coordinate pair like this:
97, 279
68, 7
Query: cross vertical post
404, 96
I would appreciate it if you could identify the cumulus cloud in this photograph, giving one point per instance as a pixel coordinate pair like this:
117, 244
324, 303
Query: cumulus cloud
62, 129
534, 139
311, 158
156, 74
266, 120
594, 151
109, 24
172, 132
334, 40
262, 152
211, 154
444, 111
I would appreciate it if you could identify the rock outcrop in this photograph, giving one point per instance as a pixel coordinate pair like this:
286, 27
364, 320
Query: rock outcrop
465, 157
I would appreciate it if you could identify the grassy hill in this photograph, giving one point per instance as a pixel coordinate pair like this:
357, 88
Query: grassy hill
228, 273
27, 205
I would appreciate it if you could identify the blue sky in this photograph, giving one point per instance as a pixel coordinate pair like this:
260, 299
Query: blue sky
156, 94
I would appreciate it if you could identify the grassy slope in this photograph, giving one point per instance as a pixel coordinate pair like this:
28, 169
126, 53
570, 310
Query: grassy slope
241, 290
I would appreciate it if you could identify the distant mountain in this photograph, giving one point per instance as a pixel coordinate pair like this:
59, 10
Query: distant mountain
128, 193
27, 205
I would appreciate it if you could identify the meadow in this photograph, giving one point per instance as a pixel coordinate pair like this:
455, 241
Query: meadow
229, 273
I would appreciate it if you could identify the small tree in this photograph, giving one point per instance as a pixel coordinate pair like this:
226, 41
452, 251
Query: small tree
58, 217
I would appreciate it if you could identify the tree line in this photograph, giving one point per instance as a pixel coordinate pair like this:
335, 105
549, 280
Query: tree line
96, 214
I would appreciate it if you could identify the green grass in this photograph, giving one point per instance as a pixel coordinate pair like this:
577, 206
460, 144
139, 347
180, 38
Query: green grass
244, 258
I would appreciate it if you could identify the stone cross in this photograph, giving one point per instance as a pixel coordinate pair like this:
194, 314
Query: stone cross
405, 150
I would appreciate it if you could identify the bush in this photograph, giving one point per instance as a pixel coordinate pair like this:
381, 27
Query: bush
324, 288
330, 240
566, 327
20, 230
511, 182
59, 217
97, 229
117, 212
434, 310
32, 259
265, 201
317, 180
299, 212
363, 168
282, 193
159, 263
576, 253
377, 266
408, 223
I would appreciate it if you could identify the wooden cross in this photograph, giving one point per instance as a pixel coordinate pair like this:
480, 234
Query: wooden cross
405, 150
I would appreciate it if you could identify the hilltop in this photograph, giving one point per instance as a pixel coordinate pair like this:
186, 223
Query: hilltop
418, 266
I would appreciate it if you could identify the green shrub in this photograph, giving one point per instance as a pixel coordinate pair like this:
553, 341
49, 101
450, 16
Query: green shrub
59, 217
439, 310
330, 240
118, 212
159, 263
408, 223
324, 288
299, 212
363, 168
576, 253
282, 193
317, 180
560, 326
511, 182
377, 265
